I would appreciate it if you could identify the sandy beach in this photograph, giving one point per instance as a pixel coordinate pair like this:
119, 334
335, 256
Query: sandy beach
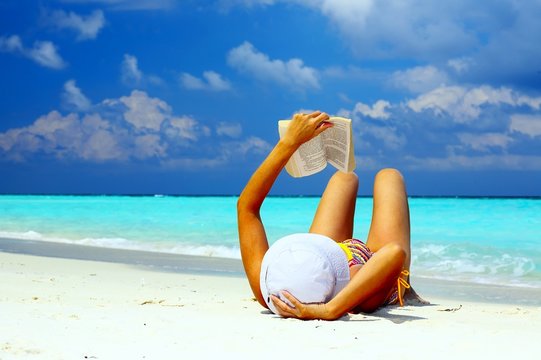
59, 308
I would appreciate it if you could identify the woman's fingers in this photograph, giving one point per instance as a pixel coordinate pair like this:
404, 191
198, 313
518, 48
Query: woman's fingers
296, 303
323, 126
318, 117
306, 126
321, 122
314, 116
314, 113
283, 308
298, 307
300, 310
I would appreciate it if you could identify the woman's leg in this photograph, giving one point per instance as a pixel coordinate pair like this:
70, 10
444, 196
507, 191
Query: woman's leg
336, 209
390, 215
390, 227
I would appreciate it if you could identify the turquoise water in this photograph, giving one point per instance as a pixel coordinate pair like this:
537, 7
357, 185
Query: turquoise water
486, 240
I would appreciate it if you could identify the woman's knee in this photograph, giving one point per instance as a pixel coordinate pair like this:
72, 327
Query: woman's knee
349, 178
389, 174
398, 255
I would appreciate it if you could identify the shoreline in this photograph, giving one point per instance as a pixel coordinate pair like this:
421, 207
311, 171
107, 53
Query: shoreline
60, 308
410, 196
160, 261
216, 266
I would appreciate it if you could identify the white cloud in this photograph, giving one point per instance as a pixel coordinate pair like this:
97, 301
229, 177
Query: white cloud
136, 127
43, 52
526, 124
348, 14
439, 100
377, 111
215, 81
390, 136
61, 137
253, 144
291, 73
131, 75
11, 44
73, 98
485, 142
241, 148
465, 104
460, 65
149, 146
130, 70
343, 97
534, 103
87, 27
101, 145
232, 130
375, 133
419, 79
484, 162
184, 127
144, 112
192, 82
211, 81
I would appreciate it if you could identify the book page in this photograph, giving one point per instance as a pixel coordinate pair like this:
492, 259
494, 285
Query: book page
311, 157
337, 143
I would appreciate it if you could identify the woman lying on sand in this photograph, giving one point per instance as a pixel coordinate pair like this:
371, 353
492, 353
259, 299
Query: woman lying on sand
325, 274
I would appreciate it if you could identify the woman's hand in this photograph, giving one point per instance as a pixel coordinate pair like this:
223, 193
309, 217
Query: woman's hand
300, 310
304, 127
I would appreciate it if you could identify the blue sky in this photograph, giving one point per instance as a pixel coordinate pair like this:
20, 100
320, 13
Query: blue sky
165, 96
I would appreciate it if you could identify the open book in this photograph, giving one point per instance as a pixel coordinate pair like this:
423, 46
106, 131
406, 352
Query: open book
333, 146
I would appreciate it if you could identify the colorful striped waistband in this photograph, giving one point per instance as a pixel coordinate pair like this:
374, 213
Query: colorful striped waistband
356, 251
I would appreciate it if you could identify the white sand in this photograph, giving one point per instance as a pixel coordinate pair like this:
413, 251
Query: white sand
71, 309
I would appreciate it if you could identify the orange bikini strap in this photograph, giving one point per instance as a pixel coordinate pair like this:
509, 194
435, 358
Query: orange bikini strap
402, 283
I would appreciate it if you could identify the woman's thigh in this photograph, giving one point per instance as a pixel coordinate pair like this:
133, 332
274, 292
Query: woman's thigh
390, 216
336, 209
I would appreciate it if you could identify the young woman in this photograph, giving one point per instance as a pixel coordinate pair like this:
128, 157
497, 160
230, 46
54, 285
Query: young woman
378, 270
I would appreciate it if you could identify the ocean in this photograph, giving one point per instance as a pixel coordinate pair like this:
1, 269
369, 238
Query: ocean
473, 240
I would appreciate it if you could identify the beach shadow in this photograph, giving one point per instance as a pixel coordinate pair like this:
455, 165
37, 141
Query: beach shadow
385, 313
354, 318
411, 299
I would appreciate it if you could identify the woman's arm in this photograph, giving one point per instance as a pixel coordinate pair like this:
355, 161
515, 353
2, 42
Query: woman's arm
252, 236
366, 291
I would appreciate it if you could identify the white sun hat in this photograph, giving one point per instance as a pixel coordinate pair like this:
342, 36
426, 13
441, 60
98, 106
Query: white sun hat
311, 267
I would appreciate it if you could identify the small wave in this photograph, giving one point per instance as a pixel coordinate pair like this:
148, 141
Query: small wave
476, 264
126, 244
27, 235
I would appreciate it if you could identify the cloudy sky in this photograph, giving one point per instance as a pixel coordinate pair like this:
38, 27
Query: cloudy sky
170, 96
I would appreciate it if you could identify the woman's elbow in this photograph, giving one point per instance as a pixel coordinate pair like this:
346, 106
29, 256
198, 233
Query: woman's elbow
242, 204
